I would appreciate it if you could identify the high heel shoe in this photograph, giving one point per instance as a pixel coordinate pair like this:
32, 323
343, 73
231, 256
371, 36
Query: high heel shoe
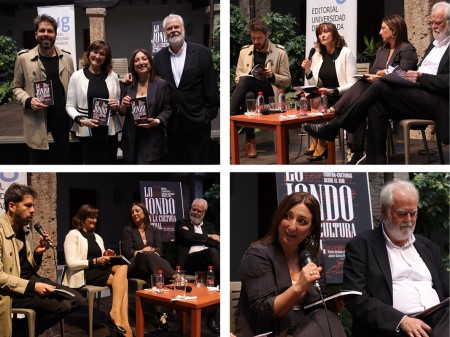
115, 329
319, 157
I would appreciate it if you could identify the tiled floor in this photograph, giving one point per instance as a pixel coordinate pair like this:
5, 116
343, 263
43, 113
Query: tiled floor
265, 147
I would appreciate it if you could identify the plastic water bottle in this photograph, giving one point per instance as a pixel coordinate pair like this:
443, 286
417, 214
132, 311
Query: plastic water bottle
323, 103
210, 281
303, 105
178, 276
282, 101
260, 102
160, 282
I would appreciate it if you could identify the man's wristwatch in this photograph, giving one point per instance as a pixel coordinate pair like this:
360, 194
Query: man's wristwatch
332, 92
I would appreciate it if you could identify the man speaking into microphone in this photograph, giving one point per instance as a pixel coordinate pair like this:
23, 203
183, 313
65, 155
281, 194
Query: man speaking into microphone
21, 286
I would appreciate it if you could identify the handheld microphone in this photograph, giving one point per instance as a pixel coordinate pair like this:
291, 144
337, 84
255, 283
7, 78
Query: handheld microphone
39, 229
311, 53
306, 258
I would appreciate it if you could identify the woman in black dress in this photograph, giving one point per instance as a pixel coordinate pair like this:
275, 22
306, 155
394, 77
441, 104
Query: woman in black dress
89, 263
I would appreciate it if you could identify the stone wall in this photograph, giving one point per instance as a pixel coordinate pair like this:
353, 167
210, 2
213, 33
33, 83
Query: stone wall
261, 6
45, 215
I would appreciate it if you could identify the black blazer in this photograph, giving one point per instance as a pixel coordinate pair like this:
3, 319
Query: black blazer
132, 240
185, 238
264, 275
404, 56
195, 101
152, 141
367, 269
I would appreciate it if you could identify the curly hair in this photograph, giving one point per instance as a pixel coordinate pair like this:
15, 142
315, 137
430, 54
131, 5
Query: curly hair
257, 25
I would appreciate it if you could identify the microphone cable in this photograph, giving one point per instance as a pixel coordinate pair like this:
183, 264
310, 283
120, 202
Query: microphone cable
326, 312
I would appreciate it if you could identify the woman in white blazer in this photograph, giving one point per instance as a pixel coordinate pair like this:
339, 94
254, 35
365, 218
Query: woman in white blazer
95, 80
89, 263
331, 69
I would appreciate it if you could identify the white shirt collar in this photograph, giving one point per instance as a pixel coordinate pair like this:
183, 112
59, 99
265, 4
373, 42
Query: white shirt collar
180, 51
445, 41
389, 242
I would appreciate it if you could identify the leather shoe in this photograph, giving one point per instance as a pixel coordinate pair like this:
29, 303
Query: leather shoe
308, 153
250, 148
328, 130
213, 325
319, 157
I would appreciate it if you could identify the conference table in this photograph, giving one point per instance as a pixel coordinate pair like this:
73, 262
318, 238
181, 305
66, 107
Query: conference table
281, 124
205, 300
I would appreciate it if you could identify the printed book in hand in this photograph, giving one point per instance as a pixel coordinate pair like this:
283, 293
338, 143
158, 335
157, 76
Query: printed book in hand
310, 89
342, 293
118, 259
432, 309
63, 292
139, 110
256, 72
44, 91
397, 76
101, 111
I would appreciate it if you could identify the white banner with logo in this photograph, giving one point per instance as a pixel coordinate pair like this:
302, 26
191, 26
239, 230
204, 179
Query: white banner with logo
6, 179
65, 16
343, 13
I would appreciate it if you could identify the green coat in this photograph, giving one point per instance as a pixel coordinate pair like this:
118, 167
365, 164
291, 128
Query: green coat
10, 280
29, 69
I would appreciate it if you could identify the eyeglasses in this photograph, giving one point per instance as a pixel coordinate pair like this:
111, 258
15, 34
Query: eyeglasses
403, 214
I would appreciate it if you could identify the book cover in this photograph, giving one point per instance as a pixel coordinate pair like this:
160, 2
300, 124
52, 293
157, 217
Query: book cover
256, 72
101, 111
396, 76
44, 91
310, 89
342, 293
63, 292
432, 309
139, 109
118, 259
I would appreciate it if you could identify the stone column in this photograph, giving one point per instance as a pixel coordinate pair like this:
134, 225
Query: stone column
261, 7
96, 23
45, 215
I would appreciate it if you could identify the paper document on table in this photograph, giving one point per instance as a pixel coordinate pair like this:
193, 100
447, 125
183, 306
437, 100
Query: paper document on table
183, 298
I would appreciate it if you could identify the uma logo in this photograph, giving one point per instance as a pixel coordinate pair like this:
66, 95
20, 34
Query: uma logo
340, 2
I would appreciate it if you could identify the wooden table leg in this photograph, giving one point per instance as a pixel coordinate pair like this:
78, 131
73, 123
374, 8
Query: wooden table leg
331, 152
196, 322
183, 318
234, 143
282, 145
139, 318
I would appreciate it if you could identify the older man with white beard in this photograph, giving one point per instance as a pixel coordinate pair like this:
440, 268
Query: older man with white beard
188, 69
425, 96
197, 246
399, 273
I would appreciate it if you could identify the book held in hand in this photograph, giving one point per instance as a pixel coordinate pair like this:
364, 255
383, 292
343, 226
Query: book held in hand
118, 259
434, 308
256, 72
139, 110
310, 89
43, 90
342, 293
101, 111
397, 76
63, 292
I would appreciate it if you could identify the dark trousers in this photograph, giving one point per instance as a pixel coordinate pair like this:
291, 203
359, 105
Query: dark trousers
383, 101
99, 150
147, 263
49, 309
247, 88
200, 261
188, 146
59, 152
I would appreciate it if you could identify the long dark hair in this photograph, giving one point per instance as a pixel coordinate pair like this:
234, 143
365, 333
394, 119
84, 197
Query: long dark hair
398, 25
106, 67
84, 212
146, 214
134, 74
338, 40
312, 243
